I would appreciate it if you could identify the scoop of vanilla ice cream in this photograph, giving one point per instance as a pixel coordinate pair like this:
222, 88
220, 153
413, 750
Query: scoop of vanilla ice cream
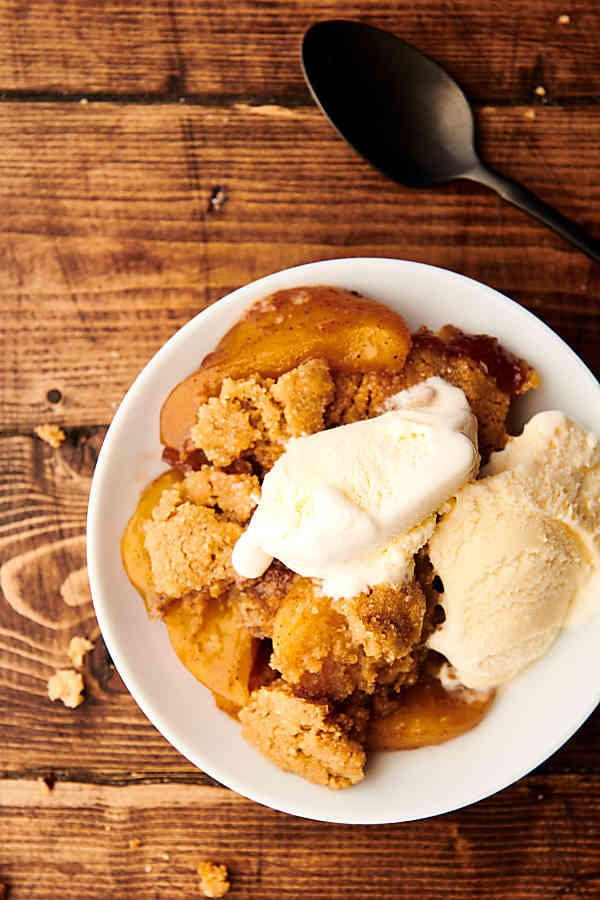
351, 505
519, 552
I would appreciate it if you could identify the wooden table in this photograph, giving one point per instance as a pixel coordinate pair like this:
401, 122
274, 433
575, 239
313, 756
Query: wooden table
153, 156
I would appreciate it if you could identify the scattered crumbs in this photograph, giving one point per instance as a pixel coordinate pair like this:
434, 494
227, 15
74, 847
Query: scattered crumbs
78, 647
488, 109
540, 796
147, 868
66, 685
182, 99
213, 879
564, 19
47, 783
134, 843
540, 90
164, 856
84, 101
114, 354
529, 113
218, 198
51, 434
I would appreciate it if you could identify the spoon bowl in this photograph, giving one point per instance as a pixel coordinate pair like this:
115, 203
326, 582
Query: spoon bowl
407, 117
396, 107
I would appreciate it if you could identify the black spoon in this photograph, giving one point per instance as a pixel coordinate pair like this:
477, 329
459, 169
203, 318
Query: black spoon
407, 117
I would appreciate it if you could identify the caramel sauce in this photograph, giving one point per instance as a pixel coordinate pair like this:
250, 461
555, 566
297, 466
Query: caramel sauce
185, 462
426, 714
508, 371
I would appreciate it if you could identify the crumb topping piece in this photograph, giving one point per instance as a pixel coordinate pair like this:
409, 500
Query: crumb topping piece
66, 685
189, 545
235, 495
51, 434
386, 619
260, 599
332, 648
256, 416
303, 736
213, 879
78, 648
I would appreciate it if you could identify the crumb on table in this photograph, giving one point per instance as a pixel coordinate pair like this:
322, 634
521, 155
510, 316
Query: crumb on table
213, 879
134, 843
51, 434
66, 685
563, 19
78, 648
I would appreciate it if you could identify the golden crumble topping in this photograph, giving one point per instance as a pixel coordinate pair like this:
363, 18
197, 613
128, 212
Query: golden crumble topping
256, 416
303, 736
260, 598
313, 648
189, 545
236, 495
331, 648
304, 393
386, 619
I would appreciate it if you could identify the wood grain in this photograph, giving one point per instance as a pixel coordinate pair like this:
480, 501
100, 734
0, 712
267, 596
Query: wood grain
471, 854
122, 246
499, 51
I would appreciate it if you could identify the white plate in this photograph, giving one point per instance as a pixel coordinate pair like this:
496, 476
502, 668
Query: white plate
534, 715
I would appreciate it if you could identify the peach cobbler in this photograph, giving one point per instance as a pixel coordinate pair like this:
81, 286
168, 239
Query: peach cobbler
289, 564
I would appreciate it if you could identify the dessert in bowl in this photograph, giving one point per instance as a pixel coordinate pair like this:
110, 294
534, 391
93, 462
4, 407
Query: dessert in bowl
352, 641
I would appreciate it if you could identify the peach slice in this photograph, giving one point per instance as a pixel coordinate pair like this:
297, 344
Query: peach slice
133, 552
215, 647
426, 714
206, 633
350, 332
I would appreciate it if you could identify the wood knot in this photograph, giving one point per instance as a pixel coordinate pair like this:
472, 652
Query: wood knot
54, 396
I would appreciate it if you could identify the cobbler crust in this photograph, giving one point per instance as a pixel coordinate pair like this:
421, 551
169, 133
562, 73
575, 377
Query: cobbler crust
303, 736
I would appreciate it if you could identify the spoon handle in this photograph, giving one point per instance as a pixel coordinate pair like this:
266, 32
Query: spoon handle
518, 195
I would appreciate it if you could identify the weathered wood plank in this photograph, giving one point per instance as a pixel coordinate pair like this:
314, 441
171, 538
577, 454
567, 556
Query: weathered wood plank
505, 847
121, 246
43, 497
499, 51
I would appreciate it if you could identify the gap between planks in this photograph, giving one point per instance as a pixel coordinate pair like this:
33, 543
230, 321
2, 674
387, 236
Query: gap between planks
72, 795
